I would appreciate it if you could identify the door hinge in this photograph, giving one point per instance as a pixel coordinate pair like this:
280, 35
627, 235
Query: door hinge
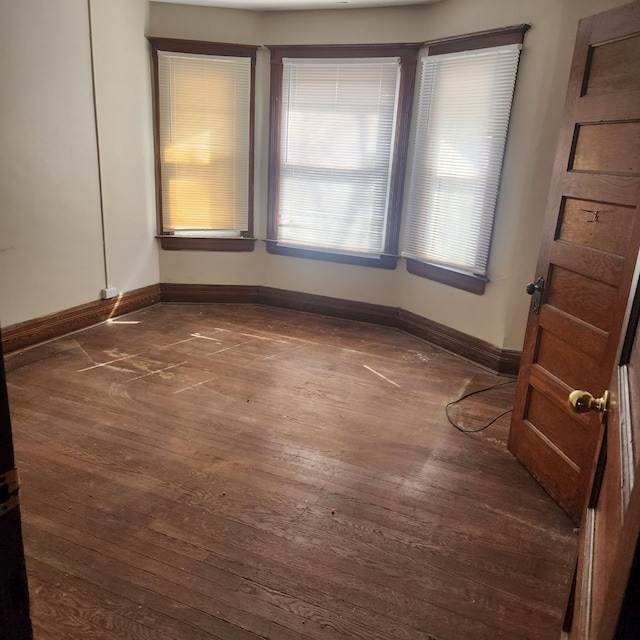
9, 486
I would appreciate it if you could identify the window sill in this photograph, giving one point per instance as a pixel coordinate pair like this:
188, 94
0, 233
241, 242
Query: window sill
464, 281
385, 261
192, 243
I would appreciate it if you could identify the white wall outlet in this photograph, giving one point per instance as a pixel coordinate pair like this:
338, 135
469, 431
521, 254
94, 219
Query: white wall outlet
108, 293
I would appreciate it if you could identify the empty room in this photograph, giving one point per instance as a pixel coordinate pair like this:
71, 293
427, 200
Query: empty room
318, 319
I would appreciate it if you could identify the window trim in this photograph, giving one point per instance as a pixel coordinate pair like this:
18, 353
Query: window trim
478, 40
408, 54
465, 281
468, 42
170, 241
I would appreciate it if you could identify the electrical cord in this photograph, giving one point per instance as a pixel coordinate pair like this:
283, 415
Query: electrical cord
473, 393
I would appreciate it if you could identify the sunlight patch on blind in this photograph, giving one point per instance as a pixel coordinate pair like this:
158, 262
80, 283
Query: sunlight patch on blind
204, 141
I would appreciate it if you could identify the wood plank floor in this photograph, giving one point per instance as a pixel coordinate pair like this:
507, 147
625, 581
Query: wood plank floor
238, 472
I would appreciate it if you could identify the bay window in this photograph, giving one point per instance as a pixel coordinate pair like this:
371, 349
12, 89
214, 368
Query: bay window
204, 144
339, 124
464, 104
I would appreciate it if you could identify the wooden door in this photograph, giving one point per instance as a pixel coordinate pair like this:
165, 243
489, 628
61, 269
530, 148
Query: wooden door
14, 596
609, 535
590, 241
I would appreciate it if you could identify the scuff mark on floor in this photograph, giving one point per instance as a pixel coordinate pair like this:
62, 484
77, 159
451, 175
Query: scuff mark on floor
197, 384
104, 364
152, 373
379, 374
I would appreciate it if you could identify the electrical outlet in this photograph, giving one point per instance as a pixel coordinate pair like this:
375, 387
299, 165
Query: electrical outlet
108, 293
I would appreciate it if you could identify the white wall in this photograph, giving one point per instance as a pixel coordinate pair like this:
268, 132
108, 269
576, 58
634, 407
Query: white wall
50, 221
50, 235
124, 107
499, 316
51, 240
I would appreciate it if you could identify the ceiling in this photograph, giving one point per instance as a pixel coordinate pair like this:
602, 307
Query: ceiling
286, 5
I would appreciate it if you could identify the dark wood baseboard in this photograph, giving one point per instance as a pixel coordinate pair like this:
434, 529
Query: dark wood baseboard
509, 362
500, 360
269, 296
462, 344
209, 293
326, 306
25, 334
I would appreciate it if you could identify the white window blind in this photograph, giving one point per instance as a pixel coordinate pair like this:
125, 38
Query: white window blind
337, 137
204, 109
458, 146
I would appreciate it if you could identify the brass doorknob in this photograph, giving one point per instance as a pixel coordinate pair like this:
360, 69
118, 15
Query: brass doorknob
583, 402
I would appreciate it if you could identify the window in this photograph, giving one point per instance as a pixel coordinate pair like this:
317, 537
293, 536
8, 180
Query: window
339, 127
204, 144
458, 145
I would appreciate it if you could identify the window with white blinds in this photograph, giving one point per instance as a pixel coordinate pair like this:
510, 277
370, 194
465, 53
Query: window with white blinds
457, 150
337, 132
204, 143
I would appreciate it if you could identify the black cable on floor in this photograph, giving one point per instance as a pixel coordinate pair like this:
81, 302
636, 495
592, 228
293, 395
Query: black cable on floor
473, 393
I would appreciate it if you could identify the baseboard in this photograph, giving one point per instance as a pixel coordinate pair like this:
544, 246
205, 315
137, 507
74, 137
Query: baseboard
25, 334
326, 306
499, 360
462, 344
209, 293
509, 362
269, 296
31, 332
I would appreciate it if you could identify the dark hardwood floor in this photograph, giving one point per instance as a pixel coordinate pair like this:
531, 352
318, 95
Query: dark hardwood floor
239, 472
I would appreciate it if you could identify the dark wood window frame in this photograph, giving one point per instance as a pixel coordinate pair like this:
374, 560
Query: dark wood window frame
408, 55
470, 42
192, 242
